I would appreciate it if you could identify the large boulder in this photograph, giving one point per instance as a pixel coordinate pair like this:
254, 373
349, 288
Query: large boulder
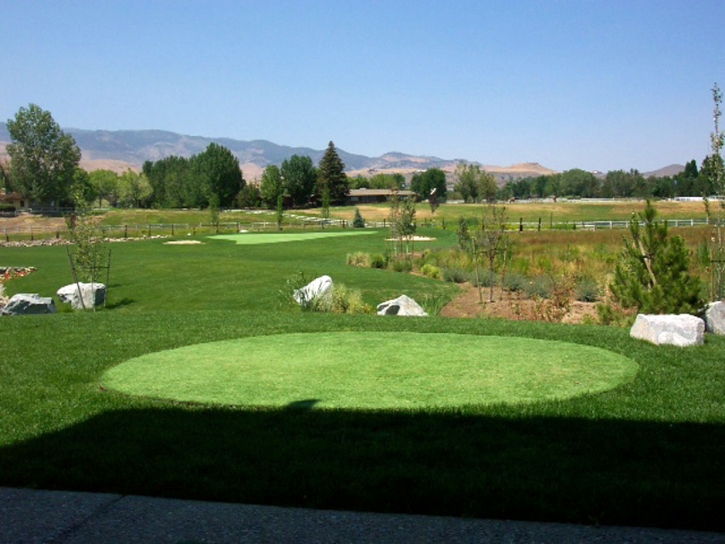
403, 305
313, 290
677, 330
715, 317
28, 304
83, 295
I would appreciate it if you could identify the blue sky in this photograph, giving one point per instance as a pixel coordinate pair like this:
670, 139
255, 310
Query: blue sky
599, 85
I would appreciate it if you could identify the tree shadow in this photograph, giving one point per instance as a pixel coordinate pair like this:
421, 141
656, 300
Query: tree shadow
611, 472
125, 301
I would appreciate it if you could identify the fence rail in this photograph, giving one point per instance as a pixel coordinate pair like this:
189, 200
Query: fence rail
8, 234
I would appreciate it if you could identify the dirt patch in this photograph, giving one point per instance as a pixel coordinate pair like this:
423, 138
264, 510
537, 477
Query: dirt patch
515, 306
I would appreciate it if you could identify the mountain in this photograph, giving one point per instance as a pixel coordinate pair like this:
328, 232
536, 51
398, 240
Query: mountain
671, 170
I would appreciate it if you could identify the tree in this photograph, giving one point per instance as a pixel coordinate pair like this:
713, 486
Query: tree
106, 186
475, 184
577, 182
249, 196
358, 222
299, 177
331, 175
652, 274
424, 183
218, 175
43, 157
134, 189
491, 242
271, 186
5, 179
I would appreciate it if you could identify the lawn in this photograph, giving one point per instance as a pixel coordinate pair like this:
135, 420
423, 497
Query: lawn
648, 451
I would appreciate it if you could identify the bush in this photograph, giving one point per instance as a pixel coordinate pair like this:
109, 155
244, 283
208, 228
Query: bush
358, 222
455, 275
430, 271
515, 282
378, 260
402, 265
587, 290
538, 286
341, 300
485, 279
358, 259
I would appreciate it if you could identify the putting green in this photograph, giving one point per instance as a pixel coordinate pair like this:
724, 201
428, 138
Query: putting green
365, 370
254, 238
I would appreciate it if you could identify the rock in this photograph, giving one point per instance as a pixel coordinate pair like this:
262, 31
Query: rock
715, 317
677, 330
315, 289
94, 295
28, 304
403, 305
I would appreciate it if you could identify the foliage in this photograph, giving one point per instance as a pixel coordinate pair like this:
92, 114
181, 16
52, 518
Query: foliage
271, 187
280, 211
456, 275
716, 177
250, 196
331, 176
431, 181
587, 290
90, 255
464, 237
378, 260
492, 241
217, 171
105, 185
358, 222
431, 271
299, 177
359, 258
474, 184
652, 273
134, 190
43, 158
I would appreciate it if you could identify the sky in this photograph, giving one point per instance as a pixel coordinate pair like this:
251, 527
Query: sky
598, 85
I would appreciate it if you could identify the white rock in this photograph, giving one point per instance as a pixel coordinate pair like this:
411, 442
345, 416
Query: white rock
677, 330
28, 304
715, 317
315, 289
403, 305
92, 294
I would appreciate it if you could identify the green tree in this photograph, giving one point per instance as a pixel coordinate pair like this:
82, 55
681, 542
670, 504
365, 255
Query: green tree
218, 175
249, 196
271, 186
106, 186
467, 184
358, 222
491, 242
652, 273
331, 175
423, 183
387, 181
134, 189
43, 157
300, 176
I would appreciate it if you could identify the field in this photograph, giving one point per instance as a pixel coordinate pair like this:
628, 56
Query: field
646, 447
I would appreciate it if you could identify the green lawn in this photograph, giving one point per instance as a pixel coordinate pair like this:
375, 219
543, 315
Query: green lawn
251, 239
650, 451
372, 371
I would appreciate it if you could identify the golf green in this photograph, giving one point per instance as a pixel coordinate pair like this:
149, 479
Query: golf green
254, 238
366, 370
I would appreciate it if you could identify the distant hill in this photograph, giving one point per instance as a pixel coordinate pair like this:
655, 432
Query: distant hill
671, 170
121, 149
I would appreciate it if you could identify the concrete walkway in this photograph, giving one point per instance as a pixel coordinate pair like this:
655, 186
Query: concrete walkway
31, 516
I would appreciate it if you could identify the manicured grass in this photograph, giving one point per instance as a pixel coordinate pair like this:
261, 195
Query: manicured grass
354, 370
251, 239
649, 452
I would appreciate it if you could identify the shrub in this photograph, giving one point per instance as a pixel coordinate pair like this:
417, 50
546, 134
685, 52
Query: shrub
402, 265
538, 286
358, 222
341, 300
587, 290
378, 260
515, 282
358, 259
485, 279
430, 271
455, 275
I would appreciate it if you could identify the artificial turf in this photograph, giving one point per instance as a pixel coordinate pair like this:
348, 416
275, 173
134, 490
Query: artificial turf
372, 371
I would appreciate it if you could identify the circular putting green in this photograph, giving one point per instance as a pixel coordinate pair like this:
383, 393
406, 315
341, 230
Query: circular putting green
366, 370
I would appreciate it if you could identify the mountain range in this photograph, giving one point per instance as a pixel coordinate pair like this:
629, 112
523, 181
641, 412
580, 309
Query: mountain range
121, 149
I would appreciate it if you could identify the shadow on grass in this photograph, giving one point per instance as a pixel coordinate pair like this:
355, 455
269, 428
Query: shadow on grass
120, 303
538, 468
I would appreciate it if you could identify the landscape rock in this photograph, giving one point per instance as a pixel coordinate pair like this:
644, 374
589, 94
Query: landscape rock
91, 294
715, 317
315, 289
403, 305
28, 304
677, 330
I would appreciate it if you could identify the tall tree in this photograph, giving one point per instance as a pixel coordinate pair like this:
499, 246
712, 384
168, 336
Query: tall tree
106, 186
134, 189
331, 176
271, 186
43, 157
299, 177
424, 182
218, 176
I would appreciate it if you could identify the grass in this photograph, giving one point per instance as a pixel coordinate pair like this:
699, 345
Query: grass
357, 370
648, 452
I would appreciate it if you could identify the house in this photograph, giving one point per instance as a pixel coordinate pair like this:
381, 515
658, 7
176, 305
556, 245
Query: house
374, 196
16, 200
